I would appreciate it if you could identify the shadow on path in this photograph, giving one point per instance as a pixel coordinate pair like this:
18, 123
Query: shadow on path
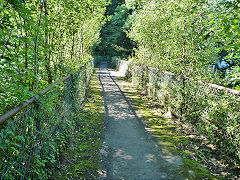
129, 152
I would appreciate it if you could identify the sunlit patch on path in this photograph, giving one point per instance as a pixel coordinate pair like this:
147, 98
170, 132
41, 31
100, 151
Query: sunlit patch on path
128, 151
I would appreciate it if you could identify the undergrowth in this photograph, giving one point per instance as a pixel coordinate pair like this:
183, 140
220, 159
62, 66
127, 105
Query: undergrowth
80, 160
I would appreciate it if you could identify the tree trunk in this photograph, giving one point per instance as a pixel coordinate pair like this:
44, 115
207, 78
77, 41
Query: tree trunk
47, 52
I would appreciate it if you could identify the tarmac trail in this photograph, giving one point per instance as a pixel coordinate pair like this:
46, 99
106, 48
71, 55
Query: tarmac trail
129, 152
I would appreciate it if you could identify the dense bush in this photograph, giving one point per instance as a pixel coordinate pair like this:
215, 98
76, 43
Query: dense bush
185, 37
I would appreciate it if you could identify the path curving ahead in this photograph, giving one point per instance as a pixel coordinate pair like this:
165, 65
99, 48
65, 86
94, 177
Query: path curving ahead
129, 152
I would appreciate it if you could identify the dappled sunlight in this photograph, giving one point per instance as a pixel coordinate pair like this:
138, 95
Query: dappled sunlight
150, 158
122, 155
129, 150
170, 158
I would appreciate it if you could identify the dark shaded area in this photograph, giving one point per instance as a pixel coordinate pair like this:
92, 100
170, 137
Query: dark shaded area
114, 39
112, 7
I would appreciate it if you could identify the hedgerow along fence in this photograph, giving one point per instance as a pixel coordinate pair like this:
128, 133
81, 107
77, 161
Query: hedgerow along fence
213, 110
34, 134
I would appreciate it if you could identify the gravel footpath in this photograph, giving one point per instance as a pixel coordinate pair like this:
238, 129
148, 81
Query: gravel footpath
129, 151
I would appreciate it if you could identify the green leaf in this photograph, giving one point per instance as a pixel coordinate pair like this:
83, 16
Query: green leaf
236, 21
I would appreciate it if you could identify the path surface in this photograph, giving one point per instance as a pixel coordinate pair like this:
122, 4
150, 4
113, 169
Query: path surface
129, 152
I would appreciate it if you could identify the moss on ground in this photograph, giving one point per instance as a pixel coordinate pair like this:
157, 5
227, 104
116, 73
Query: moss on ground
81, 158
165, 131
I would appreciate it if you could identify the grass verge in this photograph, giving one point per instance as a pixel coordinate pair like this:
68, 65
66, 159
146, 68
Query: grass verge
80, 159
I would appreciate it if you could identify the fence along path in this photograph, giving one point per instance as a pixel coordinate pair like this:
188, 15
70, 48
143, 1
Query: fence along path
34, 133
212, 109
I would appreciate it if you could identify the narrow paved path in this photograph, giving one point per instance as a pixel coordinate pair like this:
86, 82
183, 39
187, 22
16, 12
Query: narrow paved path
129, 152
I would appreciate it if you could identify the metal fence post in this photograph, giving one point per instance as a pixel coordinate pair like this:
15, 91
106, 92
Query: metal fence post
183, 79
70, 92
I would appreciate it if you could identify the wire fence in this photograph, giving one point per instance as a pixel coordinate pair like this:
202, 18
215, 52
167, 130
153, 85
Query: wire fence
31, 142
213, 110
